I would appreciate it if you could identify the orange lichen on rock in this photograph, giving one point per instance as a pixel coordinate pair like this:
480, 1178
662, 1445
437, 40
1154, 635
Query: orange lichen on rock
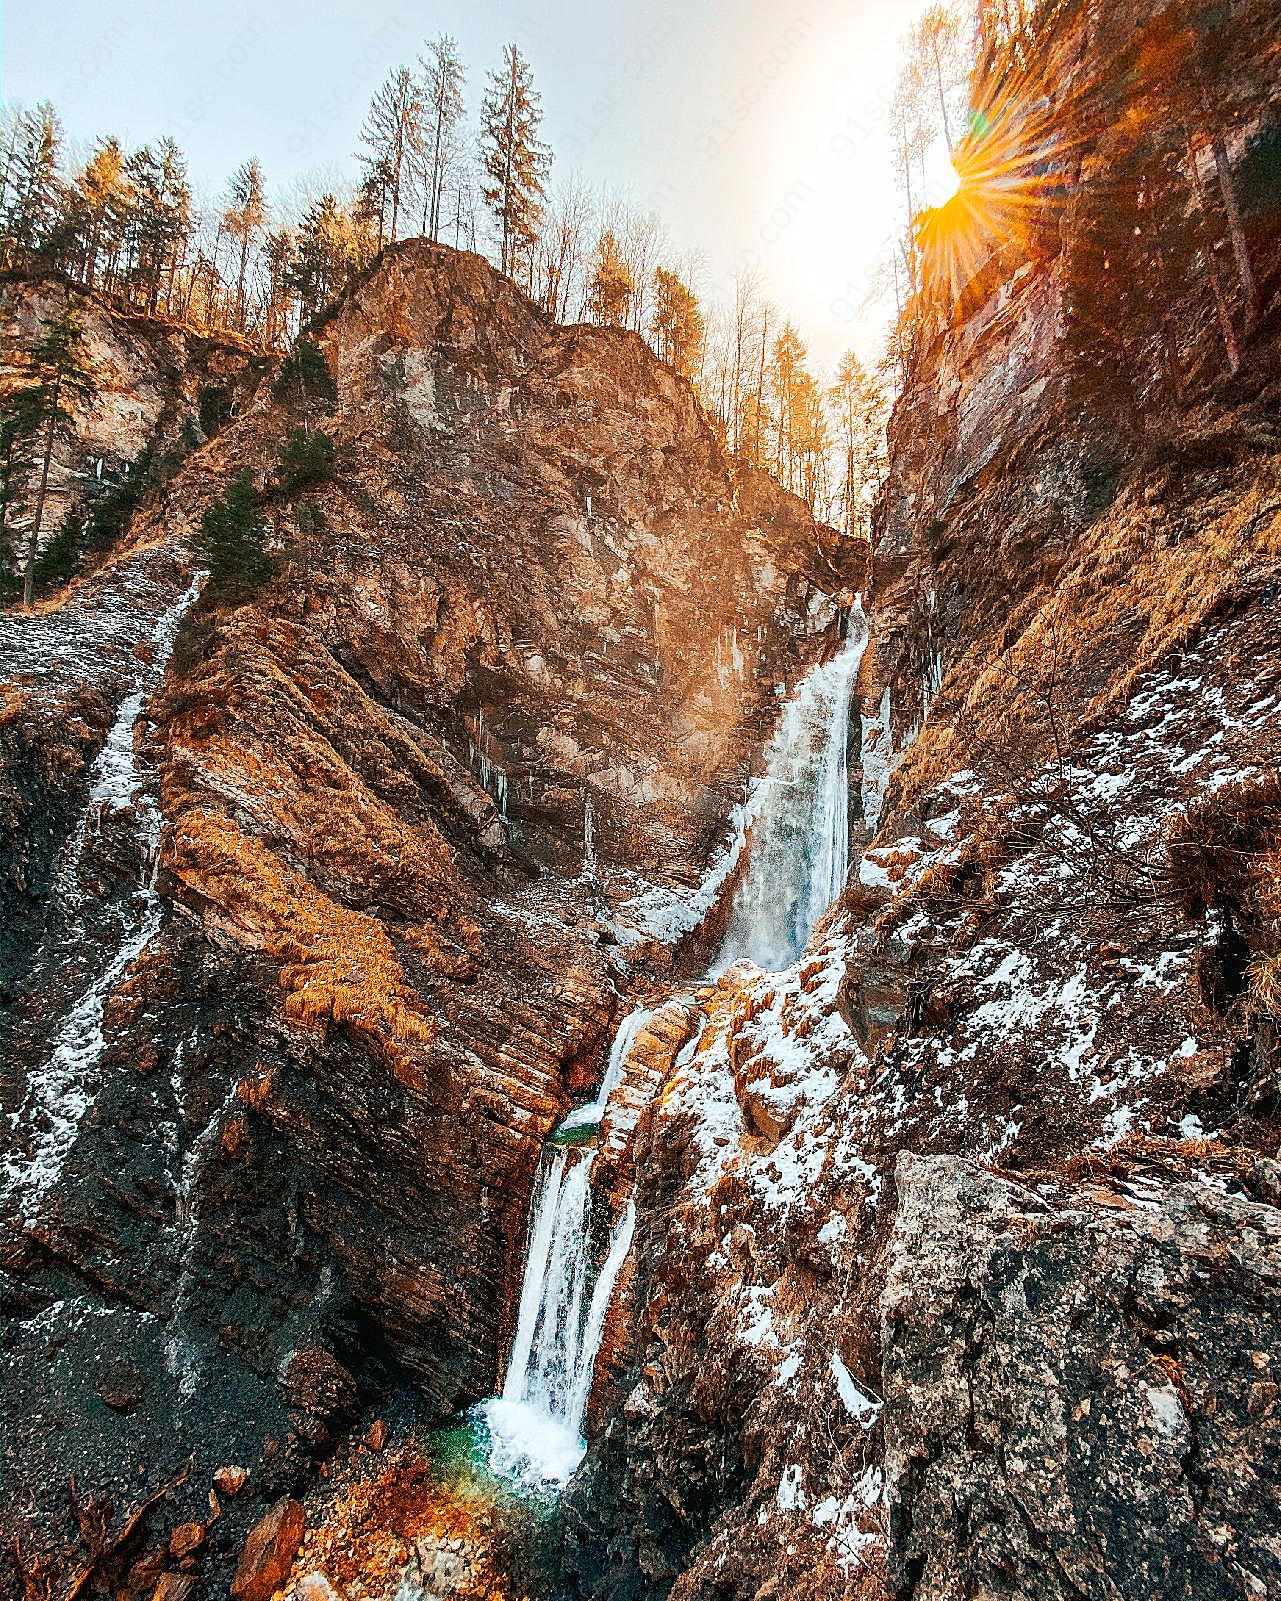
399, 1521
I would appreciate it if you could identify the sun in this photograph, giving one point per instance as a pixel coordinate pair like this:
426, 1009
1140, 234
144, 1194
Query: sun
1002, 176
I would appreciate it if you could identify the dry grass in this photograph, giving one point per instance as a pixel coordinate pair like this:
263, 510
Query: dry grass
335, 965
1136, 589
1265, 987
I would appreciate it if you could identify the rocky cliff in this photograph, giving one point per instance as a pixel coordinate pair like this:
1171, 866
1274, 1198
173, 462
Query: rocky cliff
923, 1303
331, 896
957, 1241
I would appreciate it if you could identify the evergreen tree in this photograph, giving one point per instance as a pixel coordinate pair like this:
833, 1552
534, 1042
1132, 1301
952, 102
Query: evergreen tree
58, 375
677, 324
609, 295
277, 255
104, 201
60, 558
858, 403
306, 458
160, 222
515, 160
232, 541
32, 188
801, 442
322, 257
442, 94
244, 219
305, 379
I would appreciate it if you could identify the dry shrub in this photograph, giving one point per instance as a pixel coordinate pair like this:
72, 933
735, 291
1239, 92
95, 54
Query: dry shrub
1225, 850
938, 883
1225, 853
1265, 987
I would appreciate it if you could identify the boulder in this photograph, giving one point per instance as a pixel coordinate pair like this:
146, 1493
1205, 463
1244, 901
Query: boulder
1076, 1390
269, 1552
174, 1587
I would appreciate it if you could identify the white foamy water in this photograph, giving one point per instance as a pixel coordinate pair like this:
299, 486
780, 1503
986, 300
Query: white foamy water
798, 846
589, 1116
61, 1090
535, 1427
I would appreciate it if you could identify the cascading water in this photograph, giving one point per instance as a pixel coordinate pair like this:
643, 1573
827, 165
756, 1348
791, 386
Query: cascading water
798, 846
61, 1091
572, 1262
799, 859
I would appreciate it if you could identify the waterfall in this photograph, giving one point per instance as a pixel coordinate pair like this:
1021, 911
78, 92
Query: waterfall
799, 843
535, 1427
798, 865
60, 1091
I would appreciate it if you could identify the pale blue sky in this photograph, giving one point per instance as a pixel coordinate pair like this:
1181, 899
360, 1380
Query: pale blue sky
756, 129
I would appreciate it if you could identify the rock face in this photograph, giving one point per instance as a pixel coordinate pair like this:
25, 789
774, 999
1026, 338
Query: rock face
154, 384
1070, 736
1080, 1390
330, 898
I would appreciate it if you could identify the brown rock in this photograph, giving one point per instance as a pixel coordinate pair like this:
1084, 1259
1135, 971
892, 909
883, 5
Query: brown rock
322, 1394
186, 1538
230, 1480
173, 1587
376, 1435
269, 1552
120, 1386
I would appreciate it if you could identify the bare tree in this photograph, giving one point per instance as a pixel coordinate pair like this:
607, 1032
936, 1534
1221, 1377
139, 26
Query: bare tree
437, 148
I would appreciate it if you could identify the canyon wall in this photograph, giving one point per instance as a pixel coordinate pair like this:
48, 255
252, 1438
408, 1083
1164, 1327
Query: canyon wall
922, 1303
958, 1242
332, 893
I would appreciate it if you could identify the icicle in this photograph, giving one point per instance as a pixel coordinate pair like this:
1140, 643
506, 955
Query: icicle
589, 840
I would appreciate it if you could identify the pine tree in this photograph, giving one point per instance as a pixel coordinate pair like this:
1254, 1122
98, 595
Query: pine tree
515, 160
232, 541
32, 188
304, 459
104, 203
677, 324
442, 94
160, 222
609, 295
322, 257
244, 219
58, 375
278, 255
858, 402
305, 379
60, 558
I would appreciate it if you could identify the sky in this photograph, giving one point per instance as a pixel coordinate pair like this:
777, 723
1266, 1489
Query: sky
757, 130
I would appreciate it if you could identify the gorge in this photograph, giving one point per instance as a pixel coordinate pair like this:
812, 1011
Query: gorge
590, 1035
